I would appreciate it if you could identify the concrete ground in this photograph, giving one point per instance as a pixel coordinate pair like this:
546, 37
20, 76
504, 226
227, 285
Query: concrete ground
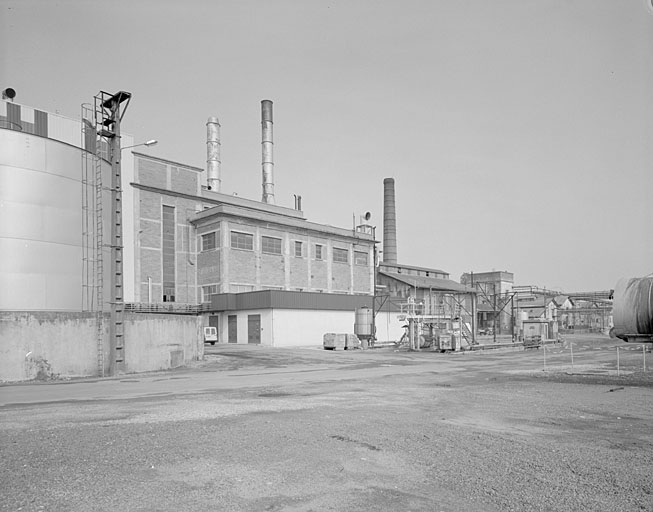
255, 428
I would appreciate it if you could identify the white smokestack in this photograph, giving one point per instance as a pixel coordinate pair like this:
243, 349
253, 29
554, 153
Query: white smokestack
213, 178
389, 222
268, 158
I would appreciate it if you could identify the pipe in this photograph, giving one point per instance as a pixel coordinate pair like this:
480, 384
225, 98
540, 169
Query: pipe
389, 222
267, 146
213, 178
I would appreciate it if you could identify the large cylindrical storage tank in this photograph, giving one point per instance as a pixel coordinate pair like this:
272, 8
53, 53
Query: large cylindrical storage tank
633, 309
41, 223
363, 323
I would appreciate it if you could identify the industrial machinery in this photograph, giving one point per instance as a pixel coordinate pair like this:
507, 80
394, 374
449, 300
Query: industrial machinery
435, 323
633, 310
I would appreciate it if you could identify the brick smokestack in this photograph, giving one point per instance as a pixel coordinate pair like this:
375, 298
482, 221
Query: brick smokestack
389, 222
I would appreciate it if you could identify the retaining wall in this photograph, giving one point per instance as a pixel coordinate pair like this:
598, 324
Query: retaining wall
40, 345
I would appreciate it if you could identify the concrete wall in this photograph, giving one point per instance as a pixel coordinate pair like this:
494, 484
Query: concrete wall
47, 345
50, 345
158, 342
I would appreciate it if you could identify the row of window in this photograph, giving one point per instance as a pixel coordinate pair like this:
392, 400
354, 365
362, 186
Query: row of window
272, 245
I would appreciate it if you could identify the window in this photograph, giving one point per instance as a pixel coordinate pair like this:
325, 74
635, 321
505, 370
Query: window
207, 291
318, 252
242, 241
271, 245
241, 288
298, 249
209, 241
168, 253
360, 258
340, 255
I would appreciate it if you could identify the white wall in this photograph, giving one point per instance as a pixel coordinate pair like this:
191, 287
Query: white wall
388, 326
304, 327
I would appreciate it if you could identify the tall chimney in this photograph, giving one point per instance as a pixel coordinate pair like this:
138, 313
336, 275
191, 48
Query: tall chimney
268, 159
213, 179
389, 222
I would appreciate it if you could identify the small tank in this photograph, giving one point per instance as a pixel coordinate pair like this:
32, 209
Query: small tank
363, 323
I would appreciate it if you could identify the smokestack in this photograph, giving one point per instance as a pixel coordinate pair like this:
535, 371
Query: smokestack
213, 179
268, 160
389, 222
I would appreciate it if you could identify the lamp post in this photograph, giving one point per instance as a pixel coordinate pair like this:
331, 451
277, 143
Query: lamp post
152, 142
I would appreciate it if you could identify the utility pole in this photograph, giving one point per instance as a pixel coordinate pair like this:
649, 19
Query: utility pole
373, 338
110, 130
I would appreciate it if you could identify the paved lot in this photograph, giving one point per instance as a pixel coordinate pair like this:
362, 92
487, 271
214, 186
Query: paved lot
252, 428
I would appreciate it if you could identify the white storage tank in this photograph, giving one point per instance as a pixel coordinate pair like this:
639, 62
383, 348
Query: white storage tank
363, 324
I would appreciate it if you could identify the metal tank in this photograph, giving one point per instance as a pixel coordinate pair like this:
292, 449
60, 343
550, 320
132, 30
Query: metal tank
363, 324
41, 248
633, 309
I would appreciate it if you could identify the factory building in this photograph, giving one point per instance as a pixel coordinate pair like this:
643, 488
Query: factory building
188, 254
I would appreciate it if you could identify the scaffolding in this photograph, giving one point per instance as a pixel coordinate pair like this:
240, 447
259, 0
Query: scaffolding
441, 321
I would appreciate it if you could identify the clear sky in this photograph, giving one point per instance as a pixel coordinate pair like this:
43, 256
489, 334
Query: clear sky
519, 132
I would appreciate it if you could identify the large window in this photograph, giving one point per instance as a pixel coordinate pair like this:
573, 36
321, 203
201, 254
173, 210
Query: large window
271, 245
242, 241
318, 252
340, 255
360, 258
209, 290
209, 241
168, 253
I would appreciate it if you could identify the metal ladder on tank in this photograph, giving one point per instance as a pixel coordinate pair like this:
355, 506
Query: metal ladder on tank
99, 261
92, 228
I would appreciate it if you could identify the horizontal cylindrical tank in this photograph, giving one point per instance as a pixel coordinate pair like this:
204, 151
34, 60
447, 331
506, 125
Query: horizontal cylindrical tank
633, 309
363, 322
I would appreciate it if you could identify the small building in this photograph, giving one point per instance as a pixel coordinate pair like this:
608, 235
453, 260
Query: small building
495, 306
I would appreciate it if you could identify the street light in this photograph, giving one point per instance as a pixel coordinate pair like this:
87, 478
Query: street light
152, 142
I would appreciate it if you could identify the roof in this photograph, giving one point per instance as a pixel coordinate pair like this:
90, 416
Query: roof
432, 283
412, 267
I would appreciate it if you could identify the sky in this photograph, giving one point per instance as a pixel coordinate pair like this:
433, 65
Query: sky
518, 132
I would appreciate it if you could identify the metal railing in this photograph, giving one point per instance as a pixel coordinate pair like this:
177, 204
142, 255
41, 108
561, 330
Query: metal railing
174, 308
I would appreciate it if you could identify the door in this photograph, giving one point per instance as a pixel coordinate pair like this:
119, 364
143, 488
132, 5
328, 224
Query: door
213, 322
232, 327
254, 329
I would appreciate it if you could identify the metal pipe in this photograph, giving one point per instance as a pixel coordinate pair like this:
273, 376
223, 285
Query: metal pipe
389, 222
213, 178
267, 149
